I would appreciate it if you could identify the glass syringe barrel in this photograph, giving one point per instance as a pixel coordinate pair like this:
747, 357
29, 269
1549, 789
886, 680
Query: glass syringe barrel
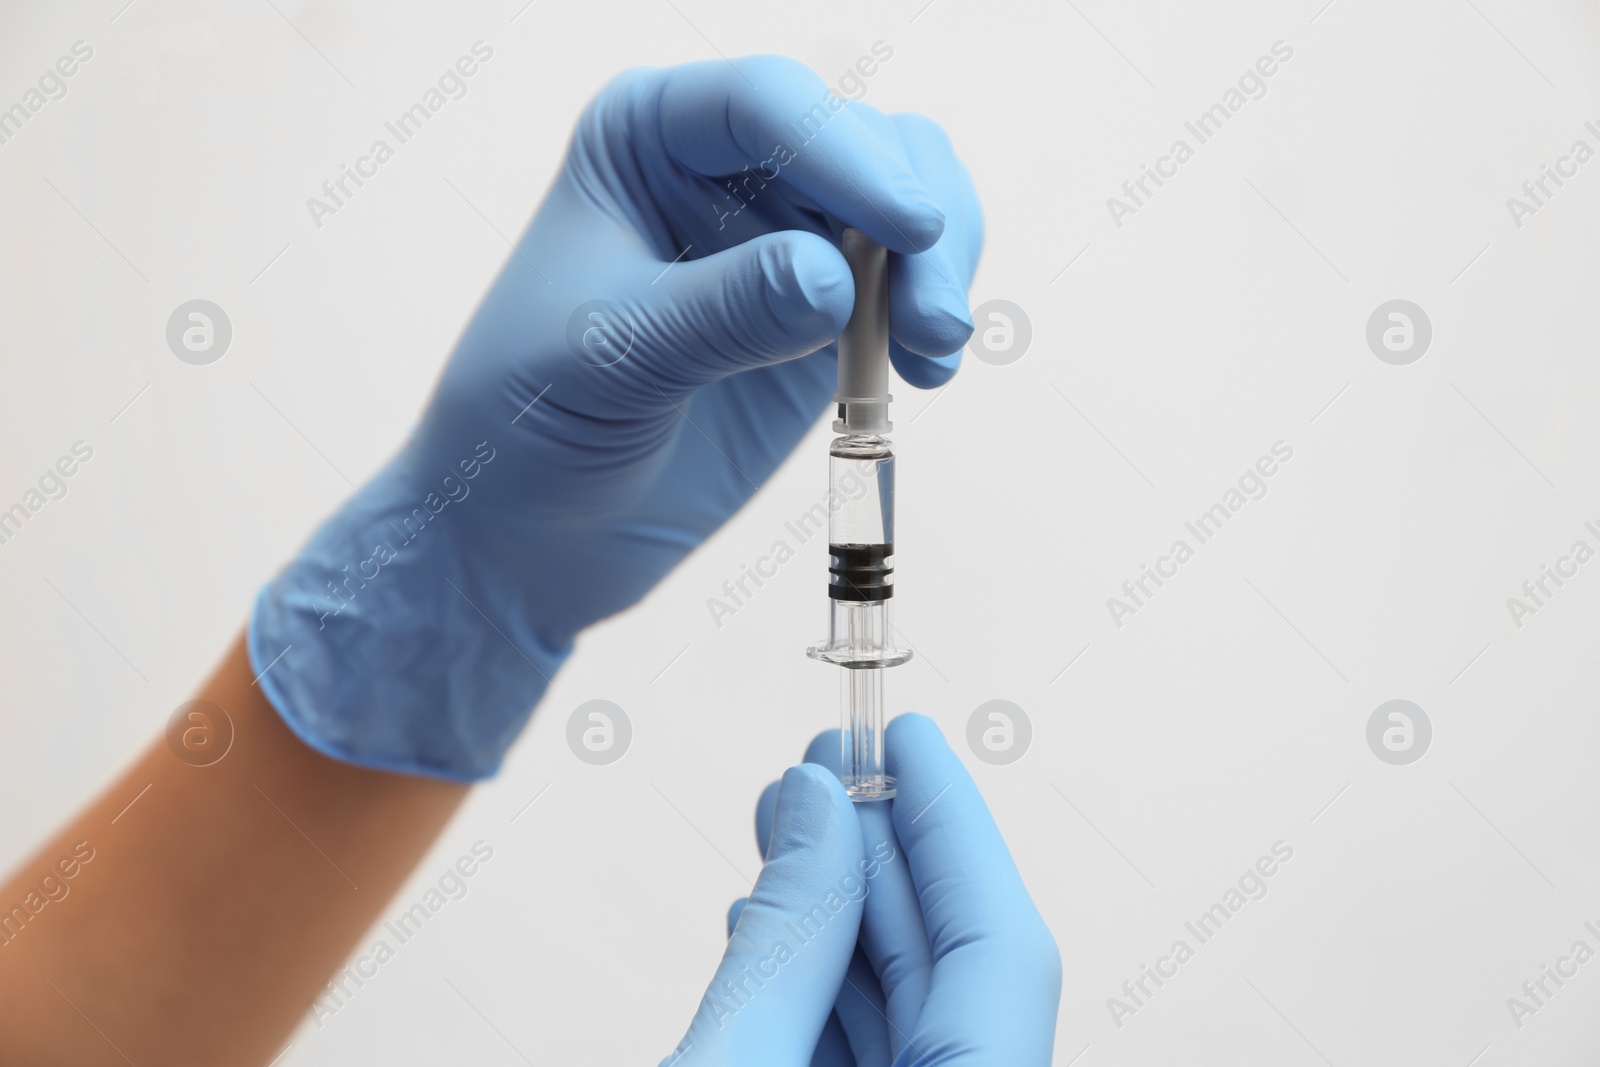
860, 592
861, 527
861, 551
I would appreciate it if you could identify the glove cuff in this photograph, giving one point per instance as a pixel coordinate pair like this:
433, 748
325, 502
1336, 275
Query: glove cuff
382, 644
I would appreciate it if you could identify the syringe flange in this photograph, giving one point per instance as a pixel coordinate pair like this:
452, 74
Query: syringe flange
859, 659
860, 637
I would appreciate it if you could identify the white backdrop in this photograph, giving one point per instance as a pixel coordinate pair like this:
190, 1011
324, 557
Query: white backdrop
1226, 313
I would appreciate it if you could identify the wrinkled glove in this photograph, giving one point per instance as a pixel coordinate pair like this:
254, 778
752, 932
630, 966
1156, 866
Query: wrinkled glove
644, 361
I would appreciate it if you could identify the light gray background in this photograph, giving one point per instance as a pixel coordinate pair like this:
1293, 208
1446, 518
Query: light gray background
1228, 314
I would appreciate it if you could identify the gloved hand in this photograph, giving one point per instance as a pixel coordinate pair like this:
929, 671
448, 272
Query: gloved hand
646, 358
953, 966
795, 934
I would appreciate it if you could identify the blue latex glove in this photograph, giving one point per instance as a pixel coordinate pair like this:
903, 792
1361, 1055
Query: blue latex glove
954, 965
795, 936
574, 452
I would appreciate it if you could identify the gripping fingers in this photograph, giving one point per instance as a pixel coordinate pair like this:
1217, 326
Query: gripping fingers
996, 979
719, 117
793, 939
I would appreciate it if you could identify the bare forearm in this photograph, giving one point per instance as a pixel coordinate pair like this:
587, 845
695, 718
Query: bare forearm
199, 921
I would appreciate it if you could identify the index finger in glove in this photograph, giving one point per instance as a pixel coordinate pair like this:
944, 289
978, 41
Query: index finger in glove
775, 988
892, 934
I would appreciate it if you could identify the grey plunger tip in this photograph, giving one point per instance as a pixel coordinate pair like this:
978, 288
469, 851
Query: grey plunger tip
863, 396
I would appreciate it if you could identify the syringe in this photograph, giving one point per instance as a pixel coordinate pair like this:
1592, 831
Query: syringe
861, 526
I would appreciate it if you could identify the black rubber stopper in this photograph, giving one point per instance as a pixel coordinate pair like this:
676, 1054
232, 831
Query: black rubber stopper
860, 572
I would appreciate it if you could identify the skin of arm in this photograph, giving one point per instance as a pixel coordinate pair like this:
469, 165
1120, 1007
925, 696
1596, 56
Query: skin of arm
206, 918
